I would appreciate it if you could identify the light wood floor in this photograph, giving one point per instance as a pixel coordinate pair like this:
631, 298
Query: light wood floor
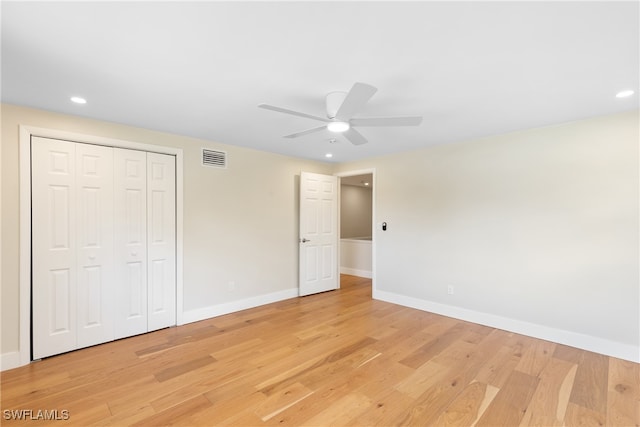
337, 358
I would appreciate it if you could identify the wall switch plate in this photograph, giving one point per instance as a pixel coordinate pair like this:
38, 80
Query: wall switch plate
450, 290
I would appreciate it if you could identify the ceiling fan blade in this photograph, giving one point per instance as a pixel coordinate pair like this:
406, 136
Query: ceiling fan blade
305, 132
359, 94
294, 113
387, 121
355, 137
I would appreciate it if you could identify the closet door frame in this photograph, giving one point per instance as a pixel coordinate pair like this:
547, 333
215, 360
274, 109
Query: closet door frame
26, 133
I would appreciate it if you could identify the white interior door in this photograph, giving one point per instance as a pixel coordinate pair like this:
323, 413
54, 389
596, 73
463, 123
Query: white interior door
103, 242
161, 240
94, 193
318, 233
130, 205
53, 246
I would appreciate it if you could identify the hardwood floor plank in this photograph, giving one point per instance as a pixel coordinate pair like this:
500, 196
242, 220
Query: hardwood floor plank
461, 362
495, 365
176, 414
569, 354
301, 412
623, 393
434, 347
423, 378
132, 396
535, 357
579, 416
402, 342
340, 411
282, 400
85, 413
294, 374
550, 399
511, 402
183, 368
379, 376
468, 407
228, 404
383, 410
590, 385
139, 413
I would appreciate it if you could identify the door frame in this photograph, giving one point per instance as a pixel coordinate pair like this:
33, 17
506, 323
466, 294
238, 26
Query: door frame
374, 226
26, 132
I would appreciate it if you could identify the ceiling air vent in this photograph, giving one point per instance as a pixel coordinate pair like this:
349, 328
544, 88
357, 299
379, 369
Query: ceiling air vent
213, 158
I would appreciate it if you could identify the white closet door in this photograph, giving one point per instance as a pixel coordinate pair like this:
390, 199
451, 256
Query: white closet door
161, 240
103, 242
130, 182
94, 192
53, 246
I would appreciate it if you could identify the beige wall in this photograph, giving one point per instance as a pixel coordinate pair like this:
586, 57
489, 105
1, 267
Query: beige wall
535, 228
355, 211
538, 226
240, 224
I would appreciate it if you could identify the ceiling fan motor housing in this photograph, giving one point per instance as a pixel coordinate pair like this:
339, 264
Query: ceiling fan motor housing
334, 101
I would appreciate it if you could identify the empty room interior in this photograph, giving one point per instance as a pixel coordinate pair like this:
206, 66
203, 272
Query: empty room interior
320, 213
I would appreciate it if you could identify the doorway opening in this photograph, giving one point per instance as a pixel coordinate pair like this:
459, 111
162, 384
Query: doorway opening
357, 224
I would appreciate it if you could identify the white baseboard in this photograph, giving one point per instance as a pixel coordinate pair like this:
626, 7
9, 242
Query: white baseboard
231, 307
355, 272
572, 339
10, 360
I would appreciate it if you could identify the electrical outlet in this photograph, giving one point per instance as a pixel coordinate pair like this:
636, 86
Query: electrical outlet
231, 286
450, 290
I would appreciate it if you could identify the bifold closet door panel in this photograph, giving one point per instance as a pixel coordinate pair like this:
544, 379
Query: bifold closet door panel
72, 245
130, 183
53, 231
161, 240
95, 235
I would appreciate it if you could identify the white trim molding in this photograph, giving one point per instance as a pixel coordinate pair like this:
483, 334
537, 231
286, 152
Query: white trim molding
9, 360
26, 132
572, 339
355, 272
231, 307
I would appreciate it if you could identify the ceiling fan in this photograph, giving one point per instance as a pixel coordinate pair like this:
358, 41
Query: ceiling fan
341, 107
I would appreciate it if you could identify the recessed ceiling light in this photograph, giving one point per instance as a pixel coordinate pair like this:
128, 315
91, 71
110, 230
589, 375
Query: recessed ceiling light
624, 93
78, 100
328, 155
366, 184
338, 126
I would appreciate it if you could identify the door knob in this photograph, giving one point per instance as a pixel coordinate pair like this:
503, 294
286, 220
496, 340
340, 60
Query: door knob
303, 240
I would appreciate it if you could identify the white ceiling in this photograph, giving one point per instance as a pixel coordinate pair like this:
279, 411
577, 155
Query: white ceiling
472, 69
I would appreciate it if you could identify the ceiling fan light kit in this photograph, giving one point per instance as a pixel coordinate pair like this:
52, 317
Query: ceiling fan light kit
338, 126
341, 107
